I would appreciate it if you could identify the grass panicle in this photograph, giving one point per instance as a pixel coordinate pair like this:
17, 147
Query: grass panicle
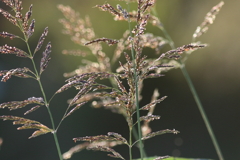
123, 94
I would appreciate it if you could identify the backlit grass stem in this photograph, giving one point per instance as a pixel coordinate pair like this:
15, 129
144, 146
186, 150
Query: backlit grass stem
38, 78
193, 91
136, 92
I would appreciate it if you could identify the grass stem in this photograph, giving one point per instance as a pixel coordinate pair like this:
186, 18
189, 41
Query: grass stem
193, 91
130, 143
44, 97
203, 114
136, 91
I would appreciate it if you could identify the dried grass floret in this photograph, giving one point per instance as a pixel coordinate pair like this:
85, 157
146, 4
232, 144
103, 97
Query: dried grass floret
149, 118
123, 12
70, 84
27, 17
209, 19
106, 40
111, 136
119, 137
145, 127
108, 7
175, 53
101, 75
82, 146
142, 26
28, 14
151, 68
120, 85
80, 29
153, 134
18, 72
112, 94
9, 35
106, 149
46, 57
95, 138
32, 109
14, 4
9, 17
20, 104
87, 87
41, 40
74, 109
147, 4
75, 149
28, 124
152, 75
13, 50
152, 104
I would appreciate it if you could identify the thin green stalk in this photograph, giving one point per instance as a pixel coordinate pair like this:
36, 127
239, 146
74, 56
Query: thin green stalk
194, 93
203, 114
136, 92
130, 143
45, 99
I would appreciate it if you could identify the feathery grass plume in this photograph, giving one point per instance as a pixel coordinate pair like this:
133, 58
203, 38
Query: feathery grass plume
209, 19
119, 99
87, 79
19, 20
82, 33
26, 26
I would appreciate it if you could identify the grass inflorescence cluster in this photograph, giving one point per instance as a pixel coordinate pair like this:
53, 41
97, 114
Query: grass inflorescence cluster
123, 94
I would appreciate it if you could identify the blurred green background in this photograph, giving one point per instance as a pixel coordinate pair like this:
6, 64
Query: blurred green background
215, 72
